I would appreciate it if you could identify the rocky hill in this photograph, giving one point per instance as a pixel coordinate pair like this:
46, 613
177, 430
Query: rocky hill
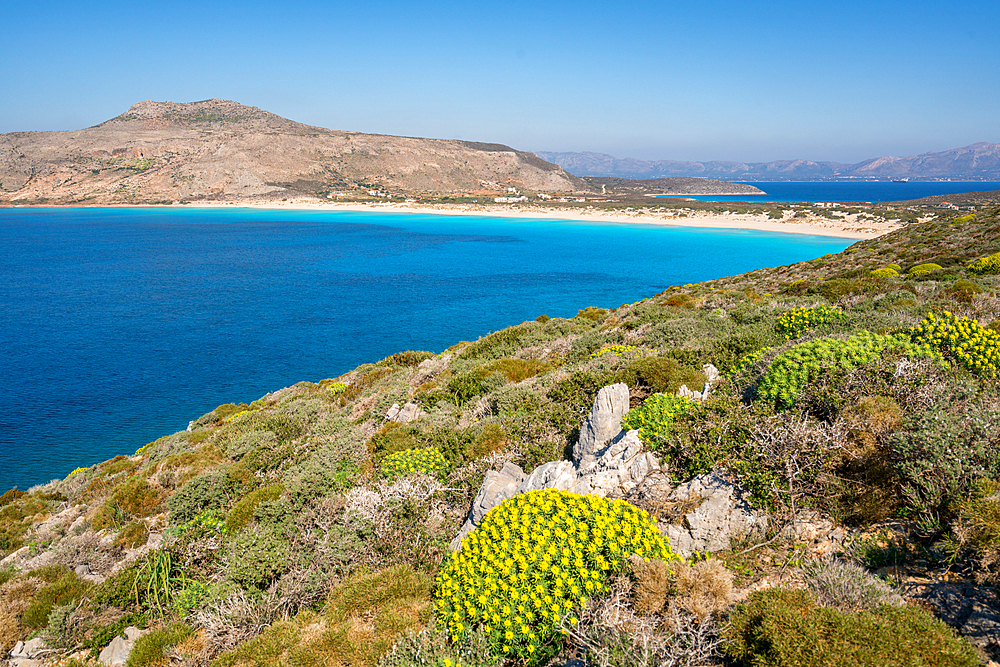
222, 150
980, 161
817, 441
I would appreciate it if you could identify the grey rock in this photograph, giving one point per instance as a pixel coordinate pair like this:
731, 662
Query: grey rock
497, 487
721, 514
403, 415
117, 652
602, 425
560, 475
972, 610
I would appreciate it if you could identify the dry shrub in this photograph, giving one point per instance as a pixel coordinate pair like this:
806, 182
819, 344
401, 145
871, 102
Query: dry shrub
234, 620
15, 597
611, 634
869, 420
652, 585
703, 589
491, 439
847, 586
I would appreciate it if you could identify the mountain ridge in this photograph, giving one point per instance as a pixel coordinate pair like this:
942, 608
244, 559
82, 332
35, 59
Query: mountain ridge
978, 161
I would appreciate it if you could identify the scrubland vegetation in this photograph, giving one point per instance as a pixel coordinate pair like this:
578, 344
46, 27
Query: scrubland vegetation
307, 529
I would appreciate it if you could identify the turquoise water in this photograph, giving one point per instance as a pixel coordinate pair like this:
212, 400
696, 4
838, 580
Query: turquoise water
850, 191
121, 325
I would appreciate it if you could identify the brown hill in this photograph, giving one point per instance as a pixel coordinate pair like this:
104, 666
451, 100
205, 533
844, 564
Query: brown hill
223, 150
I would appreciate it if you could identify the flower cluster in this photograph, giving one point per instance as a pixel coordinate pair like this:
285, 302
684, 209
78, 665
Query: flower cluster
337, 388
533, 562
236, 416
885, 272
208, 521
189, 597
794, 368
427, 460
924, 268
795, 323
747, 360
972, 345
988, 264
655, 417
617, 350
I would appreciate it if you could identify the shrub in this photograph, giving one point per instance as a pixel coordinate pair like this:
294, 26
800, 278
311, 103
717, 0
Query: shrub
704, 589
133, 535
258, 556
532, 561
944, 450
972, 345
884, 273
408, 358
593, 313
795, 367
655, 418
426, 460
515, 370
151, 650
748, 360
491, 438
616, 350
434, 648
62, 587
660, 375
653, 583
923, 268
795, 323
985, 265
975, 533
208, 491
785, 628
496, 344
847, 587
242, 512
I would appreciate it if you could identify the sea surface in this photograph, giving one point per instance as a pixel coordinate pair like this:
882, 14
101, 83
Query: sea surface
120, 325
850, 191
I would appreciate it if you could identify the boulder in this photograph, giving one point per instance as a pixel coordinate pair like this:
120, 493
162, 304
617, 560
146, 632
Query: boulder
117, 652
719, 513
403, 415
602, 425
497, 487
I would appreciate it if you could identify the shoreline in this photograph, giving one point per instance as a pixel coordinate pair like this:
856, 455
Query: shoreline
852, 226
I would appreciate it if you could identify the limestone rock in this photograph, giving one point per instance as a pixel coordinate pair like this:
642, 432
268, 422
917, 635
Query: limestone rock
602, 425
403, 415
117, 652
497, 487
721, 512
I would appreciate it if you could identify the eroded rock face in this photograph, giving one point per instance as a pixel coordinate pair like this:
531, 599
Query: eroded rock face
606, 461
719, 512
403, 415
602, 425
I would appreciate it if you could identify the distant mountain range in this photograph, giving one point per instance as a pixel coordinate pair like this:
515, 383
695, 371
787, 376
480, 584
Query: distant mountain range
977, 162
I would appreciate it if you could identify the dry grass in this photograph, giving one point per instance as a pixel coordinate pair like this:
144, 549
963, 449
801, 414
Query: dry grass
704, 589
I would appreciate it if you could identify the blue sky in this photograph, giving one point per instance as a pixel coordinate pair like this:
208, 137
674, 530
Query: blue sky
708, 80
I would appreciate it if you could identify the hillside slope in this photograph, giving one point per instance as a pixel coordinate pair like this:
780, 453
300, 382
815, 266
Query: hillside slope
223, 150
842, 470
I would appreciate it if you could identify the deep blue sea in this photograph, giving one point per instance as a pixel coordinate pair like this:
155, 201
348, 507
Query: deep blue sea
850, 191
121, 325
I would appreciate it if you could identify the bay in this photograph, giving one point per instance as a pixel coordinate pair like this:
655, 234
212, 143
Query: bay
120, 325
850, 191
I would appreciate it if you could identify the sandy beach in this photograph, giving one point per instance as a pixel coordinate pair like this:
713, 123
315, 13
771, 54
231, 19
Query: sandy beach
851, 226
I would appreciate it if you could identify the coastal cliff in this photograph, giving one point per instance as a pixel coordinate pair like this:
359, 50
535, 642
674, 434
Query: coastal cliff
817, 441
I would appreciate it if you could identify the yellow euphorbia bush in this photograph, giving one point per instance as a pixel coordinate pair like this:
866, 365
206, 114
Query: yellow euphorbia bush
974, 346
426, 460
988, 264
533, 562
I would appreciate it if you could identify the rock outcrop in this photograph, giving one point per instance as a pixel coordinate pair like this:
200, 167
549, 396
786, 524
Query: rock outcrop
606, 460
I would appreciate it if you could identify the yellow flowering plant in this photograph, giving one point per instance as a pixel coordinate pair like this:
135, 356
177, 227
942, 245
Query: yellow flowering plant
617, 350
799, 321
533, 563
983, 265
972, 345
426, 460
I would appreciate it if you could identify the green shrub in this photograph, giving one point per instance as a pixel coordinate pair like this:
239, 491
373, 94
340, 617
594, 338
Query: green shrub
593, 313
963, 291
426, 460
259, 555
515, 370
795, 323
151, 650
655, 418
923, 268
660, 375
434, 648
794, 368
837, 288
785, 628
532, 562
985, 265
847, 586
241, 513
942, 452
208, 491
975, 534
966, 341
62, 587
406, 359
470, 384
496, 344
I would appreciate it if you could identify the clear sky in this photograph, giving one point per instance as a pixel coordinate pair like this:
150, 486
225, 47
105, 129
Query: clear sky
693, 80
